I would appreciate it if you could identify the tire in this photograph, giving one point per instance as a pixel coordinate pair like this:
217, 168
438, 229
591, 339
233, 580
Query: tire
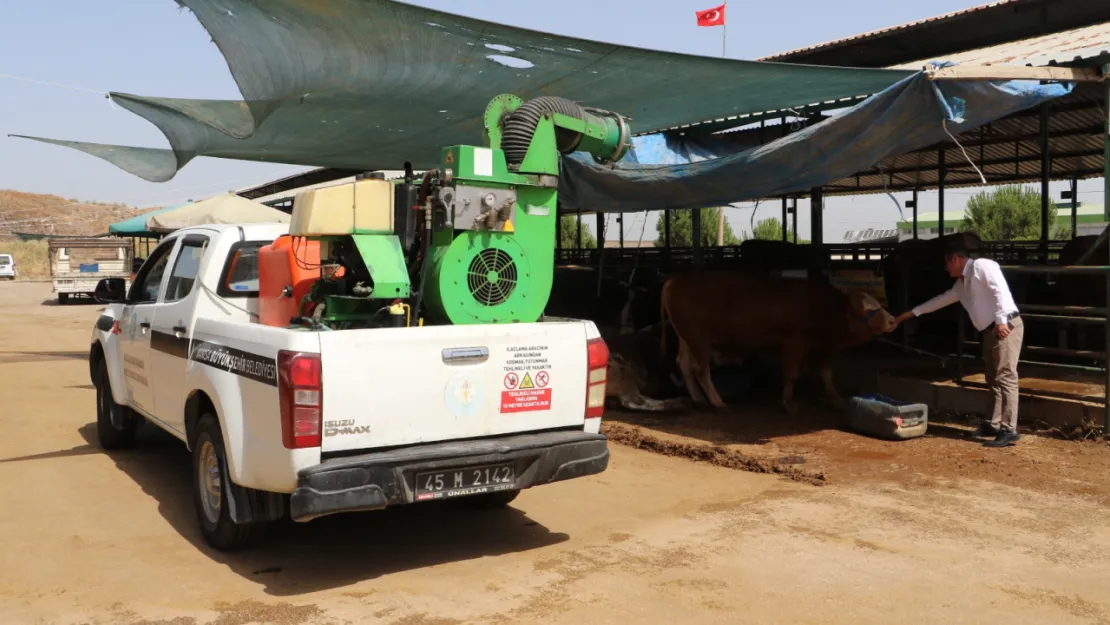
489, 501
63, 299
115, 426
210, 481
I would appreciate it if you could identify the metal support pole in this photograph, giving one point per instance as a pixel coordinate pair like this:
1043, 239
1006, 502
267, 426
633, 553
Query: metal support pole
620, 231
961, 335
695, 235
667, 238
1106, 188
794, 220
915, 213
1074, 207
941, 172
816, 216
558, 232
578, 230
1046, 174
599, 224
784, 223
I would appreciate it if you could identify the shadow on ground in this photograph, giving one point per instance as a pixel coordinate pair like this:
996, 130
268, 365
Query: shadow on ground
20, 356
331, 552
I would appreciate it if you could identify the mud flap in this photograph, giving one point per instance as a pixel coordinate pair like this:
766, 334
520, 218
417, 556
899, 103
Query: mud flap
249, 505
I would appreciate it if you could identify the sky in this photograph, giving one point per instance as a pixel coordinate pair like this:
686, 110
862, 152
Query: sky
59, 57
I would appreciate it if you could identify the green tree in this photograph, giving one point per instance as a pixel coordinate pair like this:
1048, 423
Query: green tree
682, 228
568, 236
770, 229
1010, 213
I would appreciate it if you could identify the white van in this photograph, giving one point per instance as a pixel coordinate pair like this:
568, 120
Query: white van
7, 267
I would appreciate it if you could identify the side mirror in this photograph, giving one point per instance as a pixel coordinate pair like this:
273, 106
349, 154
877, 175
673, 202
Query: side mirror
111, 291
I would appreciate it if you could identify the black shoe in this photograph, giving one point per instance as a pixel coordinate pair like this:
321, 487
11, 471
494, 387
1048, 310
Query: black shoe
1004, 439
987, 430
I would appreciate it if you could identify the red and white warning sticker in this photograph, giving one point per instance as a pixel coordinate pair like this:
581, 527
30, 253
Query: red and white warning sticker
526, 400
527, 379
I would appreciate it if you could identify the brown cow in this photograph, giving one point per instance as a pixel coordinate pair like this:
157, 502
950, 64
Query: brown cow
1082, 290
736, 314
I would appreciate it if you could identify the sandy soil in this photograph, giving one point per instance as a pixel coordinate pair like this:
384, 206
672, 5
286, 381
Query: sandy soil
932, 530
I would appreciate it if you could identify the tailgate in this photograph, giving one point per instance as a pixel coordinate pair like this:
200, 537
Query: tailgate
399, 386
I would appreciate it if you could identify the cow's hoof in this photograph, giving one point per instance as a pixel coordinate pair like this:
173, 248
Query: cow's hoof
791, 408
838, 405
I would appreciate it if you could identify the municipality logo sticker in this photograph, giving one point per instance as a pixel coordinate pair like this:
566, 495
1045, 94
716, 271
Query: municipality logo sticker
463, 395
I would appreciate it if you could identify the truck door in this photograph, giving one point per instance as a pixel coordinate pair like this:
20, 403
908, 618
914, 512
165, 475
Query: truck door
135, 327
171, 331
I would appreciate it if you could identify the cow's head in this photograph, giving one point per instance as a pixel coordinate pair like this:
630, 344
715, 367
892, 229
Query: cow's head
869, 314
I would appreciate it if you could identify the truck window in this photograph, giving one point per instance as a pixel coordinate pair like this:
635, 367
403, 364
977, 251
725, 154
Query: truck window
144, 290
240, 275
5, 260
186, 268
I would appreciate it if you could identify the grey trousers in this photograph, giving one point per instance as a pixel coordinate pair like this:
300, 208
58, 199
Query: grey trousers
1001, 356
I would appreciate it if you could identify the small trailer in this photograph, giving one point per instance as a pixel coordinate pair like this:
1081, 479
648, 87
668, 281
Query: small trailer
77, 265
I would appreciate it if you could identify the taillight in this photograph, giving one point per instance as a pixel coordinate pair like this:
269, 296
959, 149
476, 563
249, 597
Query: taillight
300, 393
597, 372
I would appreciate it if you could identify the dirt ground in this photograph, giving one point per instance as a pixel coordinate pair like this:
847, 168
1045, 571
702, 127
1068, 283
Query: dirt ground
848, 530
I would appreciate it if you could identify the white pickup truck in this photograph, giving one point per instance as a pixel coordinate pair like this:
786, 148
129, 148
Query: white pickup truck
311, 423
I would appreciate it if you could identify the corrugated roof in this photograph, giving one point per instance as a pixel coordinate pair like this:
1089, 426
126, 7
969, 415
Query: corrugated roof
1064, 47
885, 31
870, 234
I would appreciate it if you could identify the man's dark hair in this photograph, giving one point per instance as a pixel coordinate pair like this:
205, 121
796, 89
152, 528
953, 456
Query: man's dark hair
955, 249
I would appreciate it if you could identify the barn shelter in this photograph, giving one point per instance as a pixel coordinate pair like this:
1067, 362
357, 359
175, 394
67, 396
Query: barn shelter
368, 85
391, 83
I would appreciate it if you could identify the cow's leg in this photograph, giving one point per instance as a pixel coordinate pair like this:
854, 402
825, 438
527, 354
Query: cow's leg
831, 393
700, 357
686, 366
792, 356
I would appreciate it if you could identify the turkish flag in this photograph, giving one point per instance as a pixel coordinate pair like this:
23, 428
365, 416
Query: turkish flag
712, 17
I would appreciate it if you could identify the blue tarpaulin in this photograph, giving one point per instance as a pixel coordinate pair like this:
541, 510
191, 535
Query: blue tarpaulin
668, 171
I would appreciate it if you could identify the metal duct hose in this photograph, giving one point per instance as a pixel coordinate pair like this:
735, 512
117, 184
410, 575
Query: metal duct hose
521, 125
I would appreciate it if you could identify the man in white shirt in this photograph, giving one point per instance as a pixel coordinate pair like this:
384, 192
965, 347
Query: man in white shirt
982, 289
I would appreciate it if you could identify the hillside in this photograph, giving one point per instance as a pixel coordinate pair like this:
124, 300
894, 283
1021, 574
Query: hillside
50, 214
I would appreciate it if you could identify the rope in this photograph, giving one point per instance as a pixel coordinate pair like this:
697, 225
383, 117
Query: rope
55, 84
886, 190
944, 124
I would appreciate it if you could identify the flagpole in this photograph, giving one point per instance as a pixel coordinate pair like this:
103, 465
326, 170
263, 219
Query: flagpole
724, 32
721, 210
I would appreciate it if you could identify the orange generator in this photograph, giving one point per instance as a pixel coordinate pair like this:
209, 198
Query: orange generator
286, 271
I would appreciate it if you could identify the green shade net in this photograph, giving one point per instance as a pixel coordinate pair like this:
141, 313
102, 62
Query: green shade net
370, 84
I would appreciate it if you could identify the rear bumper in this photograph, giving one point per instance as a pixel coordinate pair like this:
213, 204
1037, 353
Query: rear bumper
381, 479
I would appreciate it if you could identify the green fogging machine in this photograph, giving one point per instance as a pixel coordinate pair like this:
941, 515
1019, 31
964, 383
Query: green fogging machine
470, 242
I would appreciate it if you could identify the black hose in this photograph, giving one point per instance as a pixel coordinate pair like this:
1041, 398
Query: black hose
423, 273
520, 126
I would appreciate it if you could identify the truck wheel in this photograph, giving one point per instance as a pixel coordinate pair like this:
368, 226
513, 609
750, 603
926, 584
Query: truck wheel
489, 501
115, 429
210, 481
63, 298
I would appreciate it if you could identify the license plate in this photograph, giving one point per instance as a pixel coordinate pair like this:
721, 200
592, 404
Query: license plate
464, 481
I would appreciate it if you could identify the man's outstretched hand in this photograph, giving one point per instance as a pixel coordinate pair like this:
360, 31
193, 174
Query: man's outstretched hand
906, 316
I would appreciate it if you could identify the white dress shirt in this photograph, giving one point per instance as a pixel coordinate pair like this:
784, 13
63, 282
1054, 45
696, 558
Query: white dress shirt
983, 292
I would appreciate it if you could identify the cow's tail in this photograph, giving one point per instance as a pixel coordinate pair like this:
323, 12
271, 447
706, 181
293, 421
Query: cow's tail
663, 322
